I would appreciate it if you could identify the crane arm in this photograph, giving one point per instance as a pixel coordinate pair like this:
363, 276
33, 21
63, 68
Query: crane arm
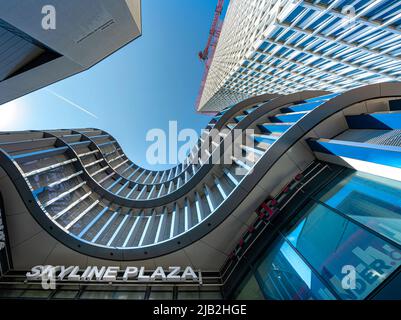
203, 55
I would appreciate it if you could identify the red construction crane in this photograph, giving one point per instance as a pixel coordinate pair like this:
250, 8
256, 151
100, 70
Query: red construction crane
207, 55
204, 55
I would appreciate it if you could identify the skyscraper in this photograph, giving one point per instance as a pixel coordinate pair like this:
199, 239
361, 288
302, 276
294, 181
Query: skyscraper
290, 45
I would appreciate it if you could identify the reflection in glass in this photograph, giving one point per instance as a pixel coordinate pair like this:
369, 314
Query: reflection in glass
250, 290
65, 294
371, 200
210, 295
188, 295
129, 295
329, 242
96, 295
344, 245
285, 276
160, 295
36, 294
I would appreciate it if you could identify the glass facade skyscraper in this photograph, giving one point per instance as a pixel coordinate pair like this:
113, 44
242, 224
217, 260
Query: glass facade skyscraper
285, 46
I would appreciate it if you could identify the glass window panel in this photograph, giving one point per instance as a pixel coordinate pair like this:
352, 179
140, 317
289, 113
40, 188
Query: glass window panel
36, 293
129, 295
250, 290
4, 293
12, 286
188, 295
285, 276
97, 287
161, 288
371, 200
68, 287
97, 295
207, 287
130, 288
329, 242
159, 295
63, 294
210, 295
189, 288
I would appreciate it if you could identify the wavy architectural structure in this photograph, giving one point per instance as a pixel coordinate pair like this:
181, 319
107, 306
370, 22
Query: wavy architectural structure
80, 186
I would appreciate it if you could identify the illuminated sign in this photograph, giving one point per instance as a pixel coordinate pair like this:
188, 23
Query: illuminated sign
111, 273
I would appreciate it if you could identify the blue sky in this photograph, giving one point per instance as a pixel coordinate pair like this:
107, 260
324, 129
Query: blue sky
152, 80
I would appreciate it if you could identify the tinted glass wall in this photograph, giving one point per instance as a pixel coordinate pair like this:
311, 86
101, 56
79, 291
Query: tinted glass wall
13, 285
344, 244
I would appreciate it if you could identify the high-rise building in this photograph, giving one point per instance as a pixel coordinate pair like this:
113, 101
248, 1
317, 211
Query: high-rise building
320, 194
284, 46
44, 42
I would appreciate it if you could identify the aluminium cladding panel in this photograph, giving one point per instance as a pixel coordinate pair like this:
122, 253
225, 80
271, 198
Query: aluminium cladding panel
36, 78
86, 32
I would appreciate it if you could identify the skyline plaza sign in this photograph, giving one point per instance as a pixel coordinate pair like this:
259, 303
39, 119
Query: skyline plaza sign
171, 274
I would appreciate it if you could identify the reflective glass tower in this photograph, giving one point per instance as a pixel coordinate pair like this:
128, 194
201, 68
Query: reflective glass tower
269, 46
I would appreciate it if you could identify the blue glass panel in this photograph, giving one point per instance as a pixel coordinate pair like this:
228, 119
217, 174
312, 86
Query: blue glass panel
290, 117
325, 97
329, 242
285, 276
375, 121
380, 154
370, 200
